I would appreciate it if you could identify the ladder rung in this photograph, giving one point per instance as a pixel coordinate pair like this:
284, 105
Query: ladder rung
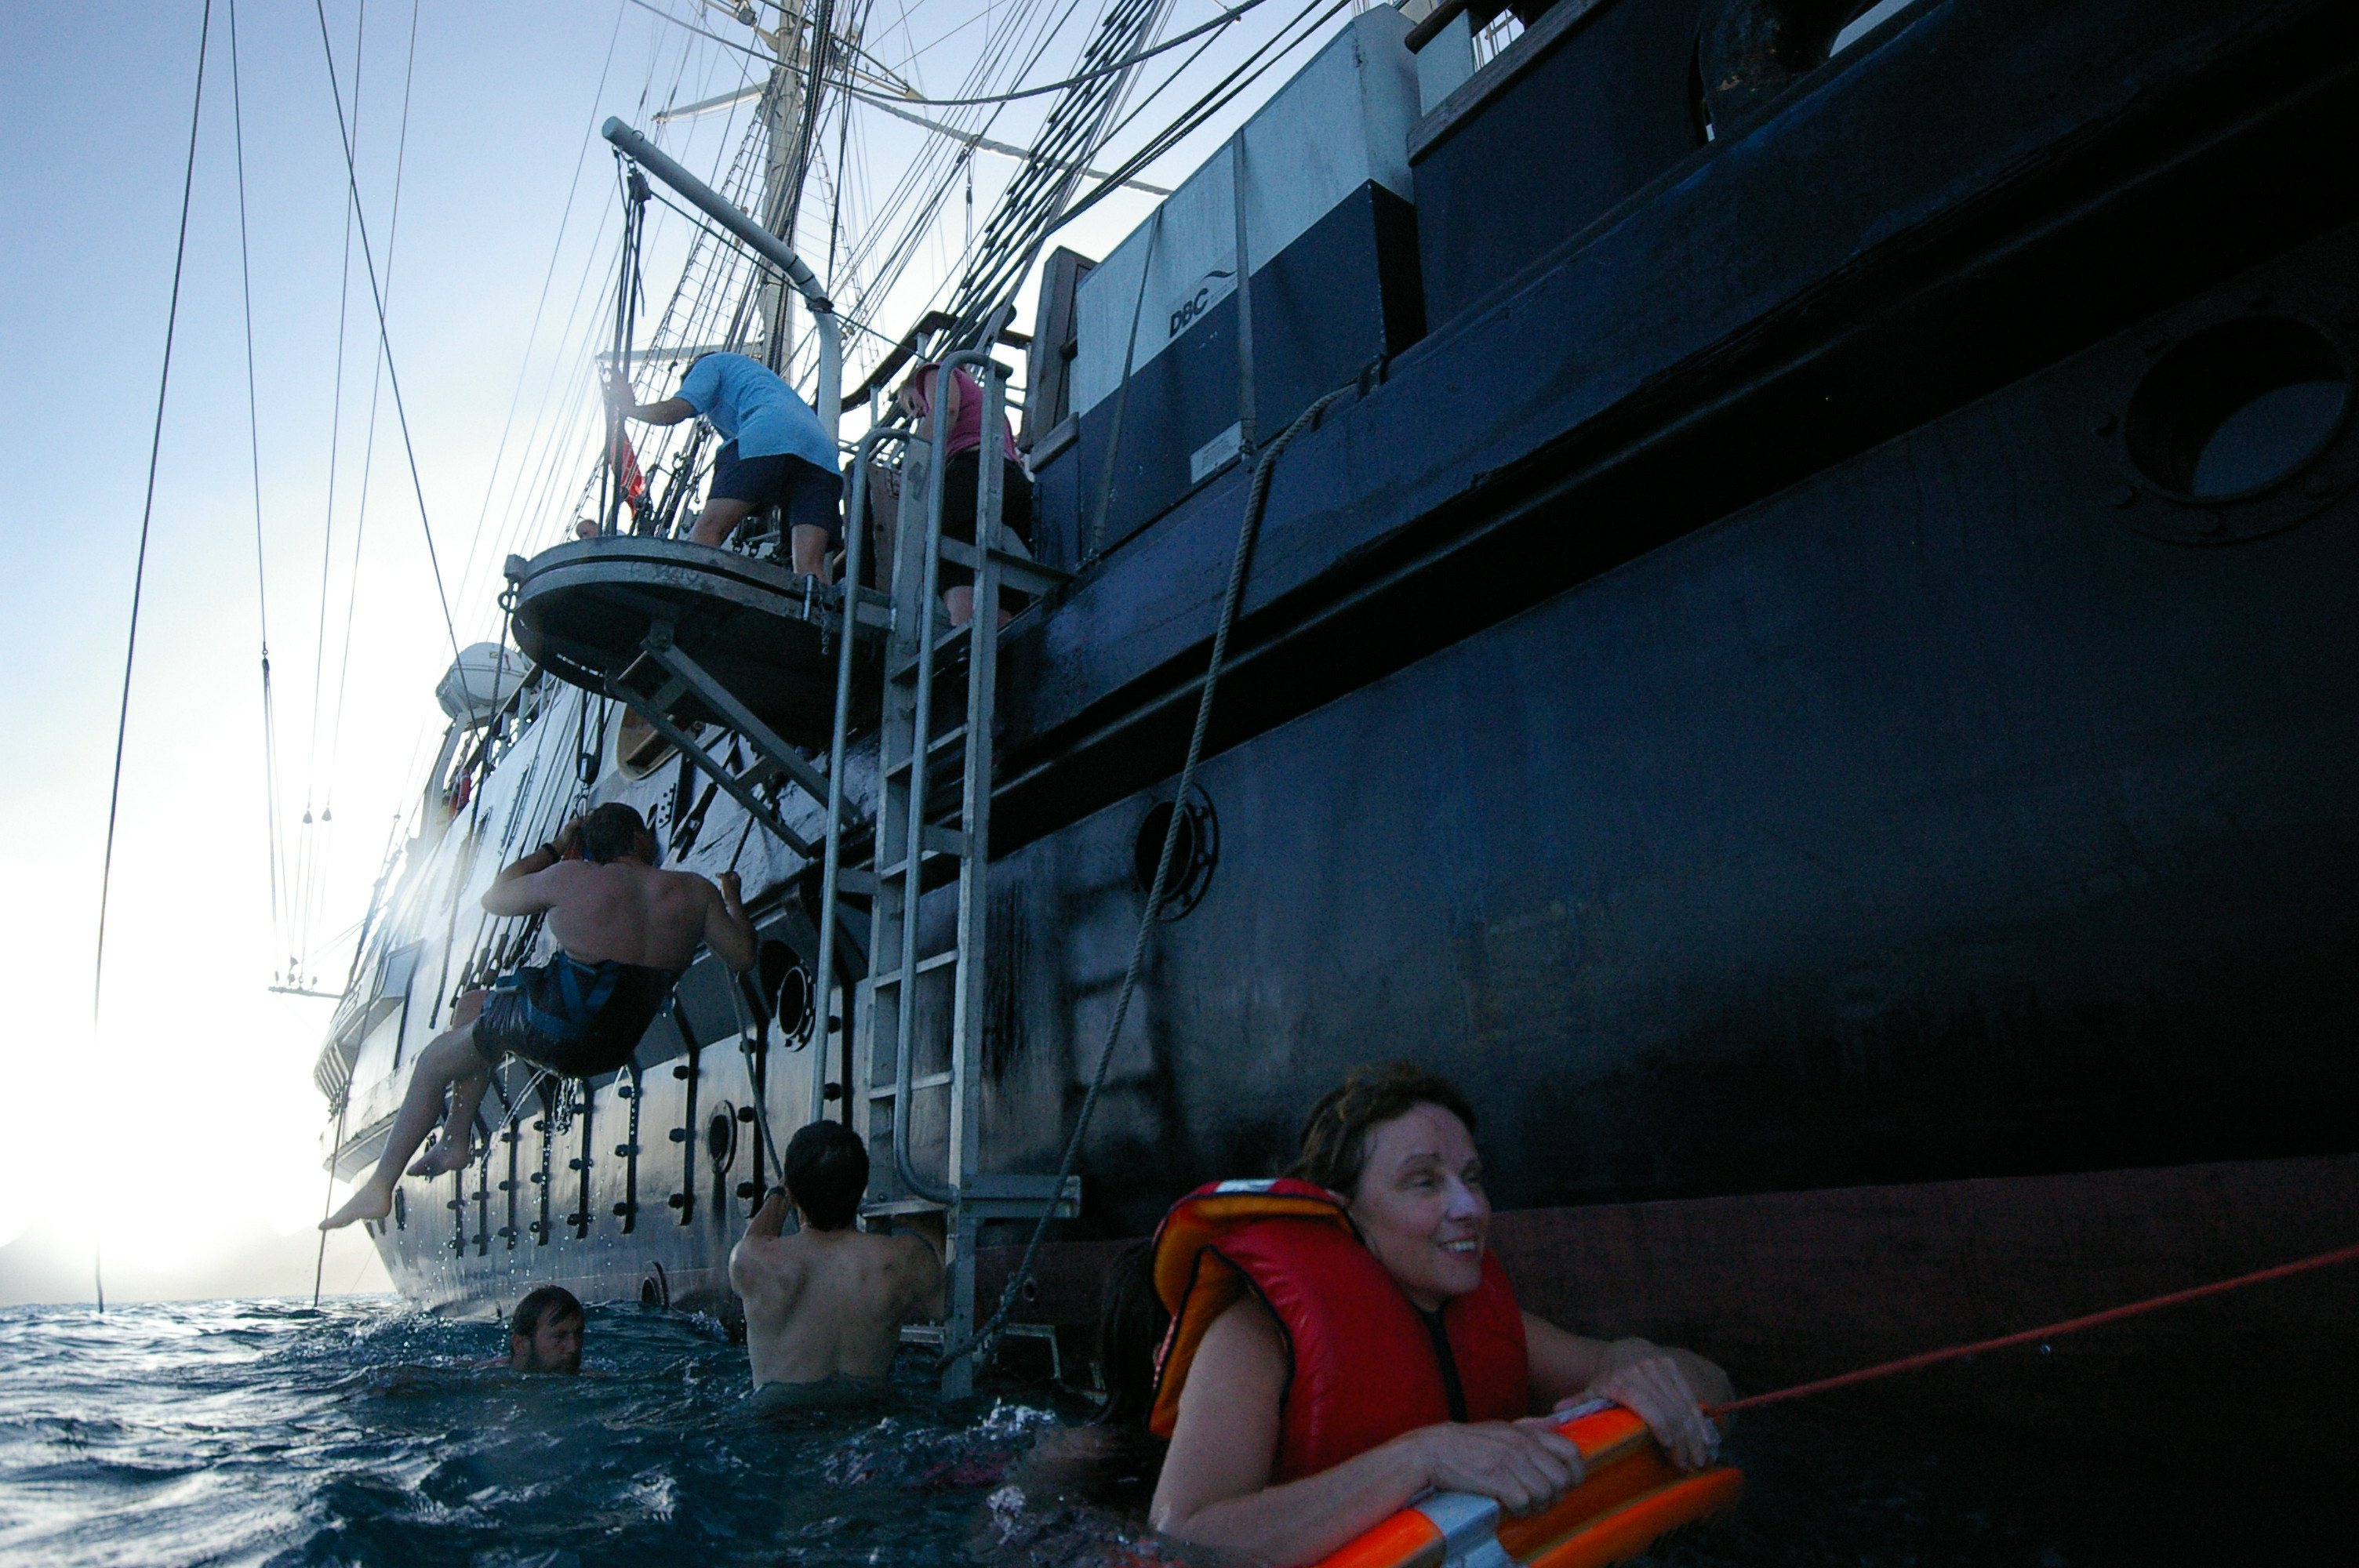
1021, 573
930, 1081
925, 966
942, 743
950, 642
936, 841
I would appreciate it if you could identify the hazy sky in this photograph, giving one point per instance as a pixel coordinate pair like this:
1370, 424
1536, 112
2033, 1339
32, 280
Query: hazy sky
189, 1115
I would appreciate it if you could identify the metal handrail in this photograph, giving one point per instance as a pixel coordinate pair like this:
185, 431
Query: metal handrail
1440, 17
831, 867
921, 742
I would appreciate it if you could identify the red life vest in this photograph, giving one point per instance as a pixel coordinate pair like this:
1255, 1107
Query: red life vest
1364, 1366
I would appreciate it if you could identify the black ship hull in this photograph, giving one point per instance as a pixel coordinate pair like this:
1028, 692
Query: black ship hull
1751, 697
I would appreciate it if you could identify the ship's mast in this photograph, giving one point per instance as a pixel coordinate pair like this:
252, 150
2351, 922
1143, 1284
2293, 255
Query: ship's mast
782, 110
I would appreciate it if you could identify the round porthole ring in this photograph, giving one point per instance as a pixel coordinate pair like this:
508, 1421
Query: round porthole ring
792, 1008
721, 1138
1193, 860
2324, 476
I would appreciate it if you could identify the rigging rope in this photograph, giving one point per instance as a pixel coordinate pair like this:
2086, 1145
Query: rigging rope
335, 450
377, 380
384, 336
621, 475
320, 1263
1204, 109
2027, 1336
814, 80
314, 850
139, 581
1248, 531
1222, 21
1027, 210
254, 455
532, 334
147, 517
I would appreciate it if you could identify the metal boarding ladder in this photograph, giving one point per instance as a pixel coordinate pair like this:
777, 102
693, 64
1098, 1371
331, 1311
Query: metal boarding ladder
912, 833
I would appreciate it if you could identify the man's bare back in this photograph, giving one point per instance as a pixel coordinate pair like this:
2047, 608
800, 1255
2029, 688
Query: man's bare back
823, 1304
625, 911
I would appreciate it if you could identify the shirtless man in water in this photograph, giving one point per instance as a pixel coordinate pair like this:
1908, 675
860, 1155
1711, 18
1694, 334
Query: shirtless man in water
824, 1306
624, 931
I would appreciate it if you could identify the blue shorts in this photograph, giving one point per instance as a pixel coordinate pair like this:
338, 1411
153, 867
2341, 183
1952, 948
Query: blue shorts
575, 1019
812, 496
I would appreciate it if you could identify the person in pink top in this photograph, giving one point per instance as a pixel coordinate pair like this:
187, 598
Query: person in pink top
962, 467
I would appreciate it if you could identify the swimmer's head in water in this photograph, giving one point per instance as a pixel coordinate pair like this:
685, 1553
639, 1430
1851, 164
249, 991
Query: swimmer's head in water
545, 1334
1398, 1142
827, 1170
613, 831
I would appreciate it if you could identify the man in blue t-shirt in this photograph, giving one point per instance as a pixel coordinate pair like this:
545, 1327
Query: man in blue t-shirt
777, 453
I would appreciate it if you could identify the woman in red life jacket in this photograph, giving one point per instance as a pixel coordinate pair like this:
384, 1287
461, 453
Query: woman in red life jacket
963, 451
1312, 1407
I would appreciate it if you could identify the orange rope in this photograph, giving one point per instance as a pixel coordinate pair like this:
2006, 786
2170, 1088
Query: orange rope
2070, 1325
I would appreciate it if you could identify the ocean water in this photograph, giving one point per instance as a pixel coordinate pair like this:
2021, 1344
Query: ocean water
260, 1432
263, 1433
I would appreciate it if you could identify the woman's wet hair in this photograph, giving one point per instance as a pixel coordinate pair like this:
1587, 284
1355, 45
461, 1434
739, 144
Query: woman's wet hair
827, 1170
1131, 1325
611, 832
549, 1303
1335, 1137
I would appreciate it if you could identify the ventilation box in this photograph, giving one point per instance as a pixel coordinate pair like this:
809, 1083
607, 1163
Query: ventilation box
1330, 240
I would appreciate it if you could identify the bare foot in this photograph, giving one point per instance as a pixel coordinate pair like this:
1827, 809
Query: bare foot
370, 1202
442, 1158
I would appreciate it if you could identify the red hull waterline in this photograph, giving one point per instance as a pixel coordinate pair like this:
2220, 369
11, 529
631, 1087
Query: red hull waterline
1785, 1287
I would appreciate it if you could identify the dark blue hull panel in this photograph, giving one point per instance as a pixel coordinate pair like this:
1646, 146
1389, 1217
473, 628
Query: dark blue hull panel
1926, 820
1338, 299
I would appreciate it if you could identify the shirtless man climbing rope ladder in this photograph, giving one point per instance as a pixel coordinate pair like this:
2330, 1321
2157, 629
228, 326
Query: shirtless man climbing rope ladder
625, 933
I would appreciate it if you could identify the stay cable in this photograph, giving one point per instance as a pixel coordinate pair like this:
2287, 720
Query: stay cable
254, 455
385, 337
147, 519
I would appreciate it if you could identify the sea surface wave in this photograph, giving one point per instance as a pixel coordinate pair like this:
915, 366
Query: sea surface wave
265, 1433
261, 1431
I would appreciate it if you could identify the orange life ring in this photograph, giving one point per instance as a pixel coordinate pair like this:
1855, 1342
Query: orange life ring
1631, 1494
